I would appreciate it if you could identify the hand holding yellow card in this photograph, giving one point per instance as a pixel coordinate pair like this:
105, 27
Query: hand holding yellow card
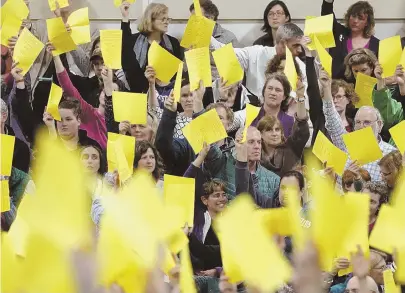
321, 28
111, 44
55, 95
289, 70
199, 67
164, 63
324, 57
80, 25
228, 64
130, 107
198, 32
355, 142
364, 89
398, 135
59, 37
26, 50
327, 152
251, 114
389, 55
177, 83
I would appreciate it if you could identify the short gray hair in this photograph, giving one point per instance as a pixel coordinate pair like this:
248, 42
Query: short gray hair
4, 108
288, 31
375, 110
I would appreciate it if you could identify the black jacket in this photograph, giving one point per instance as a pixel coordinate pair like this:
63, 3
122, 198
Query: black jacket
22, 154
265, 40
342, 34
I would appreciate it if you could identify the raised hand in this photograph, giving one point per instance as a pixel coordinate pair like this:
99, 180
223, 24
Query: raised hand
48, 120
202, 155
400, 75
49, 47
240, 147
225, 286
326, 84
150, 74
125, 11
124, 127
170, 104
378, 71
16, 73
361, 265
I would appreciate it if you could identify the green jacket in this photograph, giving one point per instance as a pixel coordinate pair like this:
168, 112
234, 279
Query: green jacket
391, 110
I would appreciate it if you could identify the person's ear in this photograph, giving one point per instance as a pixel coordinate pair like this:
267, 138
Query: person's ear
204, 200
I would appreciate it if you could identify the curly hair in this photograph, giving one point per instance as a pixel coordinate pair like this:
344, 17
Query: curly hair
273, 66
140, 149
379, 188
210, 186
358, 57
362, 8
392, 161
229, 113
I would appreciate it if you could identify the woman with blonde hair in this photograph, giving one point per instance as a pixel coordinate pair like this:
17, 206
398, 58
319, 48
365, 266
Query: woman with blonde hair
359, 61
391, 167
153, 26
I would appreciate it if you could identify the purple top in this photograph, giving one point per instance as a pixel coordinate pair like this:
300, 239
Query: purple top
350, 45
286, 121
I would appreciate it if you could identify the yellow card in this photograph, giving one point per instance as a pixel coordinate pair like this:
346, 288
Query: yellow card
80, 25
128, 145
179, 192
321, 28
357, 207
7, 143
130, 107
164, 63
62, 4
198, 32
177, 83
327, 152
389, 283
124, 169
205, 128
289, 70
324, 56
16, 8
59, 37
389, 55
55, 95
402, 61
227, 64
199, 67
10, 277
117, 3
187, 283
197, 8
26, 50
5, 196
356, 140
10, 28
231, 269
398, 135
251, 113
111, 44
364, 89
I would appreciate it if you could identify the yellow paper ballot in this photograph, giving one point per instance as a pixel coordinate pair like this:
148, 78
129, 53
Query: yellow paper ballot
111, 44
199, 67
289, 70
55, 95
198, 32
251, 113
117, 3
398, 135
10, 277
187, 283
128, 145
227, 64
364, 89
180, 192
59, 37
10, 28
124, 170
16, 8
356, 140
164, 63
62, 4
230, 267
80, 25
324, 56
205, 128
197, 8
26, 50
7, 143
5, 196
327, 152
130, 107
177, 83
389, 55
321, 28
389, 282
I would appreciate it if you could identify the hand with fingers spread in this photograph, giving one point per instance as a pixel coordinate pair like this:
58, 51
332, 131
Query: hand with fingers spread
150, 74
124, 127
125, 11
170, 104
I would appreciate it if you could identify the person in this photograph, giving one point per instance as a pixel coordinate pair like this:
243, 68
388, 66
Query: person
357, 32
354, 178
391, 166
281, 154
147, 158
354, 285
222, 35
21, 152
366, 116
254, 59
379, 194
275, 14
344, 99
95, 164
141, 132
361, 60
153, 26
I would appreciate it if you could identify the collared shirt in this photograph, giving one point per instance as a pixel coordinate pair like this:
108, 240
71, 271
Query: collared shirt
335, 128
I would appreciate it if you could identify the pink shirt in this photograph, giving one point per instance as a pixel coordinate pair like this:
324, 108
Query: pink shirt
350, 45
91, 120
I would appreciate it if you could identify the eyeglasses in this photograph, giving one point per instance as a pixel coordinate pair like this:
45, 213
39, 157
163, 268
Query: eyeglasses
385, 174
338, 97
277, 13
164, 19
364, 123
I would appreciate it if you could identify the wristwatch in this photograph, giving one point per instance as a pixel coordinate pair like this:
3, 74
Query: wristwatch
301, 100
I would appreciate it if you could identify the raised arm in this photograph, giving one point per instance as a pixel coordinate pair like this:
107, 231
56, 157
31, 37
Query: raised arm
112, 126
327, 8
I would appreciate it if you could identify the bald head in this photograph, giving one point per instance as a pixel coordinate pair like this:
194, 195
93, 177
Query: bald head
368, 116
354, 285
